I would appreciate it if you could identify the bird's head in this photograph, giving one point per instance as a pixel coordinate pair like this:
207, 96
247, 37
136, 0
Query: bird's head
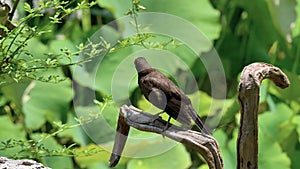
141, 64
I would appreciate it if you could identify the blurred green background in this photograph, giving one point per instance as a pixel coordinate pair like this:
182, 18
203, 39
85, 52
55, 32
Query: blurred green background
38, 119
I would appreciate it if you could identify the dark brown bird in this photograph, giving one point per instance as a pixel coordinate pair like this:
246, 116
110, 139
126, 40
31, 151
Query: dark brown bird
164, 94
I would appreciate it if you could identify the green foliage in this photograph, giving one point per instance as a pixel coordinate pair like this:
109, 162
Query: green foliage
38, 119
18, 61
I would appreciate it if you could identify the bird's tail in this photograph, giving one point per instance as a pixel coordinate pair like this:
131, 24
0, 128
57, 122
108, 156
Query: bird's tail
203, 128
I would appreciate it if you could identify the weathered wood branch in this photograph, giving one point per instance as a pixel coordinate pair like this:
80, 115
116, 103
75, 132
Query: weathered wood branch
252, 76
204, 144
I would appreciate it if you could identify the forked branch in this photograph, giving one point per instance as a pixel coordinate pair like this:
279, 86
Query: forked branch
204, 144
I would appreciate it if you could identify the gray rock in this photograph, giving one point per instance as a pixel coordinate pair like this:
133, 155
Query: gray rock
6, 163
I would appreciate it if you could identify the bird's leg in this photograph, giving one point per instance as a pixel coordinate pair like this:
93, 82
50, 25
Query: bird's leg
159, 113
156, 116
167, 125
168, 122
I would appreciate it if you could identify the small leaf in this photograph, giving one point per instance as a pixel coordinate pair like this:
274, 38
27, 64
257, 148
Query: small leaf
140, 7
28, 8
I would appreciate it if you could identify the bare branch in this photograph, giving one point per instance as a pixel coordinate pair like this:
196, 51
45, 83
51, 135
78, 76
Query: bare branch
252, 76
204, 144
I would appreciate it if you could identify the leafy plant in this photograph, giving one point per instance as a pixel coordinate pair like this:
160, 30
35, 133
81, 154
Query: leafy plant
18, 62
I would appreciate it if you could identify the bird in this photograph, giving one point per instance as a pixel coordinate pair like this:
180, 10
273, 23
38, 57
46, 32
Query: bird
165, 95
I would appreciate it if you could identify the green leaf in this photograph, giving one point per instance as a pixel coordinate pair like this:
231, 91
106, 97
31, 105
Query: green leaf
216, 109
58, 162
227, 148
200, 13
27, 7
231, 108
296, 120
270, 148
98, 155
46, 102
177, 157
36, 48
269, 126
10, 130
288, 136
111, 65
103, 165
263, 20
204, 166
14, 92
270, 122
283, 14
295, 160
296, 30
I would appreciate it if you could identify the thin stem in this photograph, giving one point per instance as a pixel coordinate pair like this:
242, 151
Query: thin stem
86, 19
134, 16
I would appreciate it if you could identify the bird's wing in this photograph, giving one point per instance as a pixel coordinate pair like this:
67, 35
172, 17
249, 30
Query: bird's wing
158, 98
158, 81
178, 105
175, 98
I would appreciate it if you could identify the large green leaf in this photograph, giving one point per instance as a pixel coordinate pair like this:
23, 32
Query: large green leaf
296, 120
268, 18
296, 30
270, 148
227, 148
295, 160
9, 132
270, 122
269, 134
14, 92
283, 15
46, 101
107, 69
36, 48
200, 13
174, 158
59, 162
97, 155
